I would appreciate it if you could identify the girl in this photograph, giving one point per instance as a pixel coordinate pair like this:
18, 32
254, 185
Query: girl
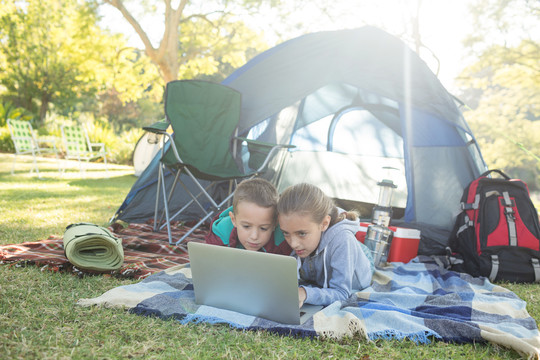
330, 258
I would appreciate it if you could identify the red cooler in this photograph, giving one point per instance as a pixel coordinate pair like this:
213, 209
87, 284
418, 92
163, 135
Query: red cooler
404, 245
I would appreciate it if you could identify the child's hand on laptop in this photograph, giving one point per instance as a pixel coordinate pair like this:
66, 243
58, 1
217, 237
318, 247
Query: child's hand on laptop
301, 296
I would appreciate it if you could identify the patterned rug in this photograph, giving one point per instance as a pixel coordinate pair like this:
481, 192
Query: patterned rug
145, 252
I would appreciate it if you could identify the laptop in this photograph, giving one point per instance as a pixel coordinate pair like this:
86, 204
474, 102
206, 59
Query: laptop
248, 282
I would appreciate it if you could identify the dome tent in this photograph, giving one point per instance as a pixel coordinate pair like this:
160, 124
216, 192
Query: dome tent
360, 106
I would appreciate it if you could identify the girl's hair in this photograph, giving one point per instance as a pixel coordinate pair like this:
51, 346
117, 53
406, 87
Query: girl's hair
308, 199
258, 191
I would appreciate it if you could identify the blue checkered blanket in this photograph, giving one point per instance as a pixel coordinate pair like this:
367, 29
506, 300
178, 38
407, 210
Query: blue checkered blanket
419, 301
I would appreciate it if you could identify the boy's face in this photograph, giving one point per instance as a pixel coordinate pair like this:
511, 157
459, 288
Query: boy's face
302, 233
254, 224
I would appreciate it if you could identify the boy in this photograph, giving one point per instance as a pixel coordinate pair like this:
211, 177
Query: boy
251, 221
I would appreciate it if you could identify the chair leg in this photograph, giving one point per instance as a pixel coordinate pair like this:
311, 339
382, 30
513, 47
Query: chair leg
208, 215
35, 165
169, 197
105, 163
202, 189
57, 160
166, 206
193, 200
158, 190
13, 165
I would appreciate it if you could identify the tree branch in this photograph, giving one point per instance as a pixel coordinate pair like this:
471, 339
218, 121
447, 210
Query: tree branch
150, 50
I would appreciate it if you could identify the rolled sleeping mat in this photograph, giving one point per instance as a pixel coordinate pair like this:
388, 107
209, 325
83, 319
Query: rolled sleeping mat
92, 247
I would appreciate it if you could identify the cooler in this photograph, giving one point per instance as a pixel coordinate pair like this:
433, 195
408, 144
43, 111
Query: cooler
404, 246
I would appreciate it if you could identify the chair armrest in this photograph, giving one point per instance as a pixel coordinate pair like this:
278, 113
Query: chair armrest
261, 152
46, 139
159, 127
100, 146
263, 144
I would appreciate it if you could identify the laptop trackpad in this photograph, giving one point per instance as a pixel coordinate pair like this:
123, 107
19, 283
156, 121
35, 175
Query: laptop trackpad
307, 311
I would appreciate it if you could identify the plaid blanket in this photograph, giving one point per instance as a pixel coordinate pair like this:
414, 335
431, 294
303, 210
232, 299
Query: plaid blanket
418, 301
145, 252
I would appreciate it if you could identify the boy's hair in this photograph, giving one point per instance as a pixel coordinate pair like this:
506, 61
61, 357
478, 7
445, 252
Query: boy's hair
308, 199
258, 191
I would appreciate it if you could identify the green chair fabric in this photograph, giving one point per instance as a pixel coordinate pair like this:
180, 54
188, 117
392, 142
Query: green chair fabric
203, 117
26, 142
204, 146
78, 146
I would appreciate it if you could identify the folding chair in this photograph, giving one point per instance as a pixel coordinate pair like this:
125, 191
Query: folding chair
204, 148
78, 146
27, 142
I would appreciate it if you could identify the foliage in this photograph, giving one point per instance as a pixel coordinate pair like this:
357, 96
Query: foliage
43, 52
211, 51
119, 146
6, 144
194, 52
57, 58
8, 111
503, 88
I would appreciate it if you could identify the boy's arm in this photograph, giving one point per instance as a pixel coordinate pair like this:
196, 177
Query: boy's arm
213, 239
222, 232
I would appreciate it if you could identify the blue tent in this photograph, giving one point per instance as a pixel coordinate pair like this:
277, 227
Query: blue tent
360, 106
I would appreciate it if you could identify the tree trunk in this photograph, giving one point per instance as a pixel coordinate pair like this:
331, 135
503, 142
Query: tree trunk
165, 57
43, 109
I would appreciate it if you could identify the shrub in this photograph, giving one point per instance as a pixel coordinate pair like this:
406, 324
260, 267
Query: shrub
119, 147
6, 144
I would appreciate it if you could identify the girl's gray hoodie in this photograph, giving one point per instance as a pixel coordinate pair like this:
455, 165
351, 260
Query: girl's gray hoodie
340, 266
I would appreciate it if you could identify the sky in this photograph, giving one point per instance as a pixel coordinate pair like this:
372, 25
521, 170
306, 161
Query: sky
443, 26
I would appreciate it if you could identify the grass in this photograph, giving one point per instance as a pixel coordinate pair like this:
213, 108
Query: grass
39, 317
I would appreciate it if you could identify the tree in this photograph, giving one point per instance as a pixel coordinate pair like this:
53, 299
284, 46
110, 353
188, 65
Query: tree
181, 53
503, 85
54, 54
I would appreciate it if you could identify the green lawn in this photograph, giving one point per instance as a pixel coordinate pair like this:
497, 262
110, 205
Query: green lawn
39, 318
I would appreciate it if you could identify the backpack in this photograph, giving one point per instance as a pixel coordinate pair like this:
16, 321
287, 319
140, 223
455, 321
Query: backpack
497, 232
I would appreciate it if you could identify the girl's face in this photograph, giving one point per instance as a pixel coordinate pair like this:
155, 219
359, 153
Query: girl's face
302, 233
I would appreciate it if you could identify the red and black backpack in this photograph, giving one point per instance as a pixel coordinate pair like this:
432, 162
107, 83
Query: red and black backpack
497, 233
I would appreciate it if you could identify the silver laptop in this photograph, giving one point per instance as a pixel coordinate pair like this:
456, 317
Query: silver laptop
248, 282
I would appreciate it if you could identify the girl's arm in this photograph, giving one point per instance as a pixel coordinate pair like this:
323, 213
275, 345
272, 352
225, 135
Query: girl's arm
341, 261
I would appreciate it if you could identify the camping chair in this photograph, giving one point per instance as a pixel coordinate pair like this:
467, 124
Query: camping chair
78, 146
27, 142
204, 148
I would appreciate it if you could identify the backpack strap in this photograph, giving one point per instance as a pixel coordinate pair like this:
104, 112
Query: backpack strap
467, 222
536, 265
510, 218
471, 206
494, 268
500, 172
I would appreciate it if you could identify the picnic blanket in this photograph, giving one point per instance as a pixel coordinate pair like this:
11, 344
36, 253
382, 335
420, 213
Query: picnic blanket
418, 301
145, 252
